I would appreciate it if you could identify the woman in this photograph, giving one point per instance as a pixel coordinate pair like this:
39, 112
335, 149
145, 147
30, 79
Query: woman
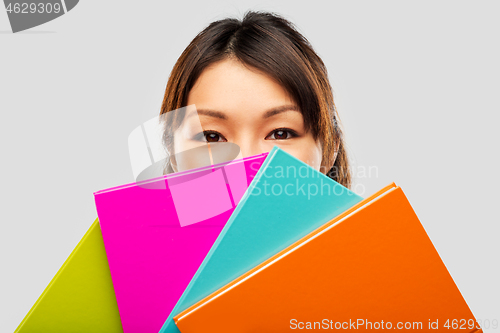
258, 83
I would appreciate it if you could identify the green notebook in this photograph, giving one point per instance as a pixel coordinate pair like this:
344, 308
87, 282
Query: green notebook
80, 298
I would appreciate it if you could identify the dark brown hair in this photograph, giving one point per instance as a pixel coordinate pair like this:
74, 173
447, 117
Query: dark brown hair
271, 44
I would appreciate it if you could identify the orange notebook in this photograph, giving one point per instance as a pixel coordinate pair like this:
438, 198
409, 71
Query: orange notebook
371, 268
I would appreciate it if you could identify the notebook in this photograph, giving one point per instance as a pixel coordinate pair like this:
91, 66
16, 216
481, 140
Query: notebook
157, 232
286, 200
371, 268
80, 297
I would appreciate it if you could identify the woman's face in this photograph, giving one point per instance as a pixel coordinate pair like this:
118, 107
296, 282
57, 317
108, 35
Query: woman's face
238, 104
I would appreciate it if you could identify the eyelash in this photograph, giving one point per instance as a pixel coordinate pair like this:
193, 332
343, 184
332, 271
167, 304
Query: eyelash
205, 133
291, 132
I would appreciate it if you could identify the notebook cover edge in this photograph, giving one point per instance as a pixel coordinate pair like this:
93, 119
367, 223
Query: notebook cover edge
287, 249
56, 276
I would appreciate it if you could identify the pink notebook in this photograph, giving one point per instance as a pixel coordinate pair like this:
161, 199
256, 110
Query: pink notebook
156, 234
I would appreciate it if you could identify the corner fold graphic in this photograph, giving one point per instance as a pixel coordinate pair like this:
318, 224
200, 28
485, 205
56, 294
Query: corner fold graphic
70, 4
27, 14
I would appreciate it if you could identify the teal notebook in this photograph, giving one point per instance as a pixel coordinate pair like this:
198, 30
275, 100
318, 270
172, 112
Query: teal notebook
285, 201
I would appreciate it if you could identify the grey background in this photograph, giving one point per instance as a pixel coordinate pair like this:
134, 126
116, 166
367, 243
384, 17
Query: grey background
416, 85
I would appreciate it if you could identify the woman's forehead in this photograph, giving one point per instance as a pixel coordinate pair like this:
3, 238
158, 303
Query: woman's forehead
229, 85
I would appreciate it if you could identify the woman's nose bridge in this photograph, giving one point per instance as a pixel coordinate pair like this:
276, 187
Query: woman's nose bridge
249, 147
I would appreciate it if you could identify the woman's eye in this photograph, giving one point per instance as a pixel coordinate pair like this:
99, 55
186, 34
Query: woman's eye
281, 134
213, 137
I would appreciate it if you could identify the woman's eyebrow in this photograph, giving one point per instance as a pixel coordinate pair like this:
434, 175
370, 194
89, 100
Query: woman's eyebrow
268, 113
280, 109
212, 113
